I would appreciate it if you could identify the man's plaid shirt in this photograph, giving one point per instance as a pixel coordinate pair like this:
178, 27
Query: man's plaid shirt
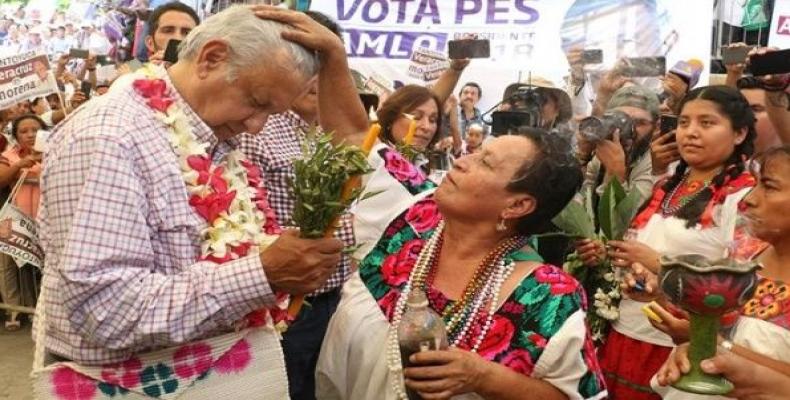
273, 151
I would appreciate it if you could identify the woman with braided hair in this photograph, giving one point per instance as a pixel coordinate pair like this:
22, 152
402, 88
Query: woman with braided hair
693, 211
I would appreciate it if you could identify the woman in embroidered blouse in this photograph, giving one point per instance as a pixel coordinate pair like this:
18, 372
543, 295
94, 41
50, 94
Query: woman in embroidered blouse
694, 211
15, 161
762, 333
536, 340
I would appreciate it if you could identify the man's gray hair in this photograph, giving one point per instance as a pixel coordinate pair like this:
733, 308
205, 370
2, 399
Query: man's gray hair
249, 38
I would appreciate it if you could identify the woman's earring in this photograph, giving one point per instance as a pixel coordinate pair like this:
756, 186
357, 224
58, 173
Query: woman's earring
500, 226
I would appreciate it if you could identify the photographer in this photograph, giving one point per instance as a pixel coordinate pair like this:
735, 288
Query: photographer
546, 105
620, 154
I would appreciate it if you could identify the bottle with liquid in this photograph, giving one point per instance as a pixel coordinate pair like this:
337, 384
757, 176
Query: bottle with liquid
420, 329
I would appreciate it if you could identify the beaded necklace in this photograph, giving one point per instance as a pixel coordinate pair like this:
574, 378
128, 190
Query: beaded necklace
692, 191
482, 290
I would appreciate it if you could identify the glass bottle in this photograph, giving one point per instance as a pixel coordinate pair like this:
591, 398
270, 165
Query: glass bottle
420, 329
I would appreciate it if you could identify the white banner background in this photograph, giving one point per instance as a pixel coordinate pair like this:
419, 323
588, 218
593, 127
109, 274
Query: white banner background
780, 25
526, 35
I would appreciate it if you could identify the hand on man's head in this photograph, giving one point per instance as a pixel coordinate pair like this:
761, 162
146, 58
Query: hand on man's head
306, 31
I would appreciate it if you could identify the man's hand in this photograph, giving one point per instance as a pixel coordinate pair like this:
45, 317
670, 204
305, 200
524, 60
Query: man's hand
90, 62
663, 151
674, 87
299, 266
612, 156
77, 99
157, 58
612, 80
576, 63
736, 69
306, 31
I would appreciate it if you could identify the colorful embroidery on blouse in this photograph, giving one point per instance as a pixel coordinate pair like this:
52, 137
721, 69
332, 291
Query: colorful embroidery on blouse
523, 325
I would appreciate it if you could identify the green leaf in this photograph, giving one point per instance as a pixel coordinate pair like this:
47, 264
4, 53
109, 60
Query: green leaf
624, 213
575, 221
368, 195
613, 194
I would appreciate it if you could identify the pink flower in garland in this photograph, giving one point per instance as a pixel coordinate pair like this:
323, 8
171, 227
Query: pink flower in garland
155, 93
211, 206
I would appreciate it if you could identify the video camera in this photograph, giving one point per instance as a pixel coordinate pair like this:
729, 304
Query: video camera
525, 103
595, 130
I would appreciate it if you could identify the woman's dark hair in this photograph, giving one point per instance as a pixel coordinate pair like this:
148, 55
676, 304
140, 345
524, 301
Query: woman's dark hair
553, 176
730, 103
405, 100
15, 124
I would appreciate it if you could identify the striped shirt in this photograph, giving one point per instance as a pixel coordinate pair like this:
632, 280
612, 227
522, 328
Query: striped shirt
121, 241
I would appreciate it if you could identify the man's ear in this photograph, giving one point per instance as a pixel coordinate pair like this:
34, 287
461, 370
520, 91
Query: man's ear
213, 55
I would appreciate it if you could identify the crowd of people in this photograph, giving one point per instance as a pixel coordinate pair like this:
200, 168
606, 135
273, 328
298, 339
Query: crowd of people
154, 177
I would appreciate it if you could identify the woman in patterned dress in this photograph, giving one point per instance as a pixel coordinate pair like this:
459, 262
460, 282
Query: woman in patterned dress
532, 340
762, 333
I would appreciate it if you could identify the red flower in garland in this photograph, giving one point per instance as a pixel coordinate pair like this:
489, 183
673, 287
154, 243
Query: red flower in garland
211, 206
155, 92
253, 173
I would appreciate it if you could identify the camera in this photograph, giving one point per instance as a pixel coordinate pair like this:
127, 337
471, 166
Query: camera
525, 103
595, 130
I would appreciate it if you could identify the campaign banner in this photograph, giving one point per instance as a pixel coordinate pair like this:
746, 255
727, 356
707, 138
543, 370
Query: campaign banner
527, 36
19, 237
780, 25
25, 76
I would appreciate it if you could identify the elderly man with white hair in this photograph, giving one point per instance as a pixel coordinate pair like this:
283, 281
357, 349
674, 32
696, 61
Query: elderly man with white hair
165, 275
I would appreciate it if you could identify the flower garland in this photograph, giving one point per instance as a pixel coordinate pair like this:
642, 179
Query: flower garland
228, 196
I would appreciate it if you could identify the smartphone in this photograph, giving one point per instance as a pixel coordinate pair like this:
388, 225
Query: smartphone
735, 55
775, 62
592, 56
645, 66
102, 60
668, 123
78, 53
85, 88
171, 52
469, 48
648, 311
370, 101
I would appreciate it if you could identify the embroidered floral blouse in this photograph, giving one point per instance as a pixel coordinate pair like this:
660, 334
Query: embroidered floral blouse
528, 319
